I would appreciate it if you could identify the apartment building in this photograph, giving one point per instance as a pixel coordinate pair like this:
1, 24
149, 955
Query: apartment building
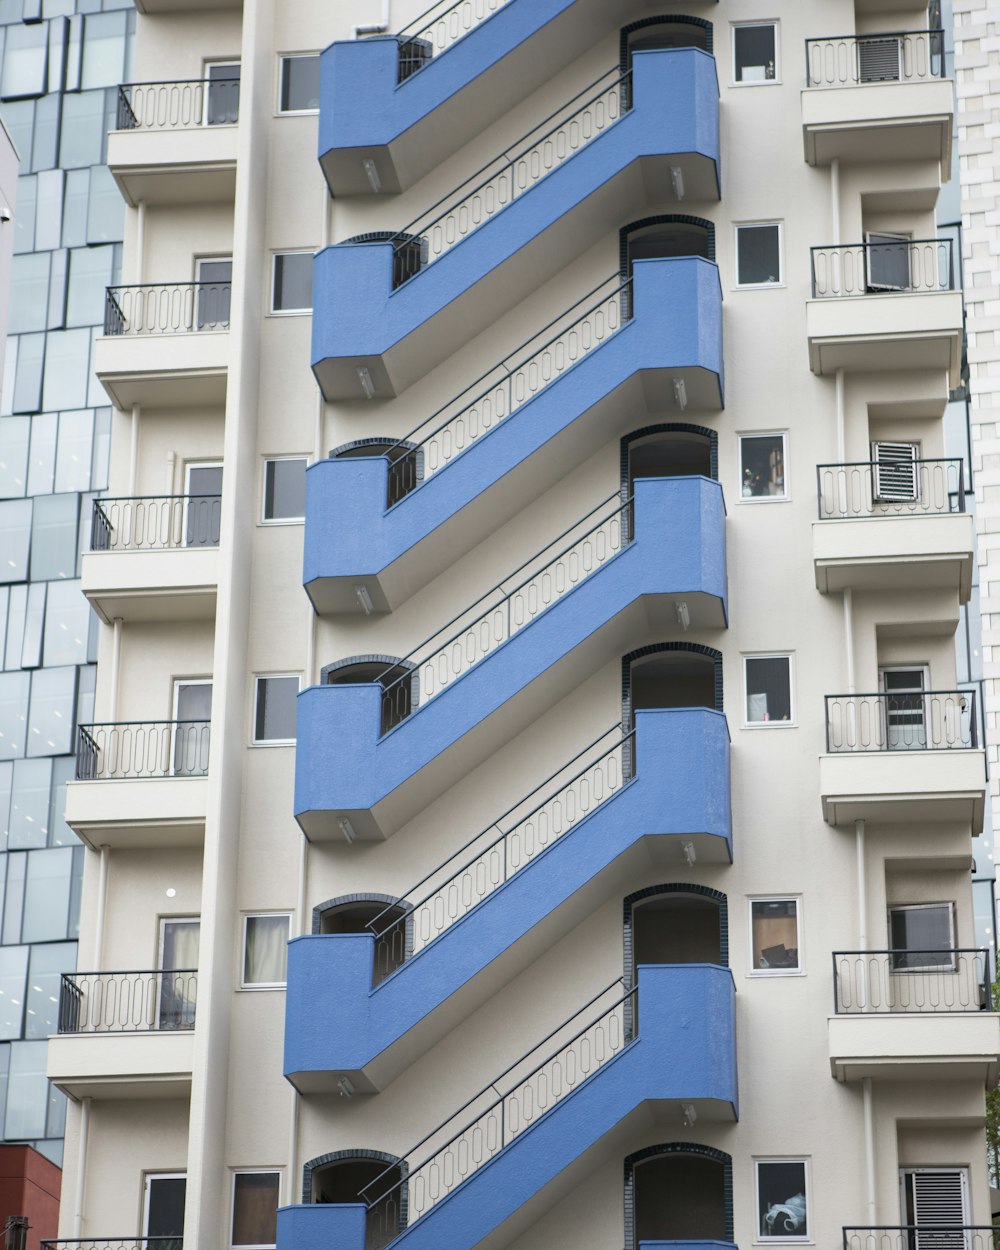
60, 68
586, 713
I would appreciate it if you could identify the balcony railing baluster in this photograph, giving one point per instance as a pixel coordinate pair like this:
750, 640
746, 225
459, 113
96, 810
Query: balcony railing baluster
130, 749
927, 1236
128, 1242
178, 105
890, 267
167, 308
911, 982
156, 522
904, 488
892, 56
128, 1002
904, 720
436, 29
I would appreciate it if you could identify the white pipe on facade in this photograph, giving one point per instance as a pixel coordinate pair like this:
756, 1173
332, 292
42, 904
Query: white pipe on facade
81, 1166
133, 452
835, 200
116, 656
171, 471
378, 28
140, 240
866, 1087
859, 846
841, 404
101, 909
849, 637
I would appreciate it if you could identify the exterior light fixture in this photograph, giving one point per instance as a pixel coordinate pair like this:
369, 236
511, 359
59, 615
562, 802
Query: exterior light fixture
367, 385
371, 173
680, 393
690, 854
345, 1087
689, 1113
364, 599
677, 181
347, 829
683, 616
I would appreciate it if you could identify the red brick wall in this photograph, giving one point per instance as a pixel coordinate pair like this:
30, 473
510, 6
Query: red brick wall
29, 1185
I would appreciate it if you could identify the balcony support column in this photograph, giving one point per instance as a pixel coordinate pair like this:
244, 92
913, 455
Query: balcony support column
869, 1109
81, 1166
116, 661
102, 901
859, 846
133, 452
140, 240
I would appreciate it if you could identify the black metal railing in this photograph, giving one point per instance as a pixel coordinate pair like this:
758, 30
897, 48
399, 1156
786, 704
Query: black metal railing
911, 981
178, 105
895, 56
156, 522
437, 28
127, 1242
513, 381
927, 1236
514, 171
893, 266
571, 558
504, 1108
498, 852
128, 749
128, 1002
929, 720
899, 487
167, 308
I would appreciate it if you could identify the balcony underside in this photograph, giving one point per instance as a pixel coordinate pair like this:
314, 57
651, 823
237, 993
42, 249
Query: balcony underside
905, 332
918, 786
916, 1047
196, 165
411, 128
122, 1065
142, 812
879, 123
399, 335
344, 769
177, 585
164, 370
351, 538
685, 1011
895, 553
337, 1024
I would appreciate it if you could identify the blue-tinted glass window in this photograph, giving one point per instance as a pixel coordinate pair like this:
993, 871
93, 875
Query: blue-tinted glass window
45, 968
15, 533
25, 58
28, 378
46, 895
14, 690
29, 292
67, 624
19, 118
53, 537
82, 135
106, 215
60, 834
17, 603
17, 867
57, 290
48, 209
67, 362
103, 50
46, 136
50, 720
6, 778
74, 450
14, 434
42, 460
27, 1091
34, 622
29, 805
13, 971
75, 207
89, 274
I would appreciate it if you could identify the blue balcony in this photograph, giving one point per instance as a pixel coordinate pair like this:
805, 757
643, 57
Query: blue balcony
385, 313
673, 790
684, 1052
395, 521
348, 769
407, 101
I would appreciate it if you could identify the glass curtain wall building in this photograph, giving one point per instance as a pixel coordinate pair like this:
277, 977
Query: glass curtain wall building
60, 65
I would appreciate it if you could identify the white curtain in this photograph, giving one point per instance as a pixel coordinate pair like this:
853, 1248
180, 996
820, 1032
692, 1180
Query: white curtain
265, 956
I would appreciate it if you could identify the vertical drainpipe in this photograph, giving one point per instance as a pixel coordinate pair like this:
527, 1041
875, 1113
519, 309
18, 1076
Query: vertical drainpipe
140, 241
81, 1167
133, 452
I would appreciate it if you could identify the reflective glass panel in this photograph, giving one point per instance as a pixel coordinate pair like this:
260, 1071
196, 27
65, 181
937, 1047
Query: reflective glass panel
53, 537
89, 274
284, 490
50, 722
46, 895
29, 292
74, 450
28, 379
13, 971
17, 867
25, 57
27, 1092
29, 804
14, 433
41, 462
293, 275
34, 620
46, 137
15, 532
299, 83
45, 968
60, 834
67, 360
103, 50
67, 624
82, 135
274, 720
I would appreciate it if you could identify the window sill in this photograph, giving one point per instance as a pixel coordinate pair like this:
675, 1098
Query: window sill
274, 742
771, 724
761, 82
293, 520
764, 499
759, 286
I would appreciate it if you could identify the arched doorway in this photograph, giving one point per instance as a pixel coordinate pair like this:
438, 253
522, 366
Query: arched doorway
387, 918
673, 449
387, 670
678, 1191
667, 234
665, 675
405, 462
677, 30
359, 1176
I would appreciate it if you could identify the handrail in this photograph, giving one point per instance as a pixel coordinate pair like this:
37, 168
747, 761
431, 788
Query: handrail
139, 308
481, 179
935, 43
155, 522
901, 720
129, 1001
911, 981
492, 1085
178, 104
920, 266
872, 488
429, 649
403, 455
122, 750
392, 947
422, 38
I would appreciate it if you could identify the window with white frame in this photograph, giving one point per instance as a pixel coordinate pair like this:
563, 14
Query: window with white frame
755, 52
774, 936
298, 83
256, 1197
922, 936
291, 282
782, 1199
275, 700
767, 682
758, 254
284, 489
265, 950
762, 466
